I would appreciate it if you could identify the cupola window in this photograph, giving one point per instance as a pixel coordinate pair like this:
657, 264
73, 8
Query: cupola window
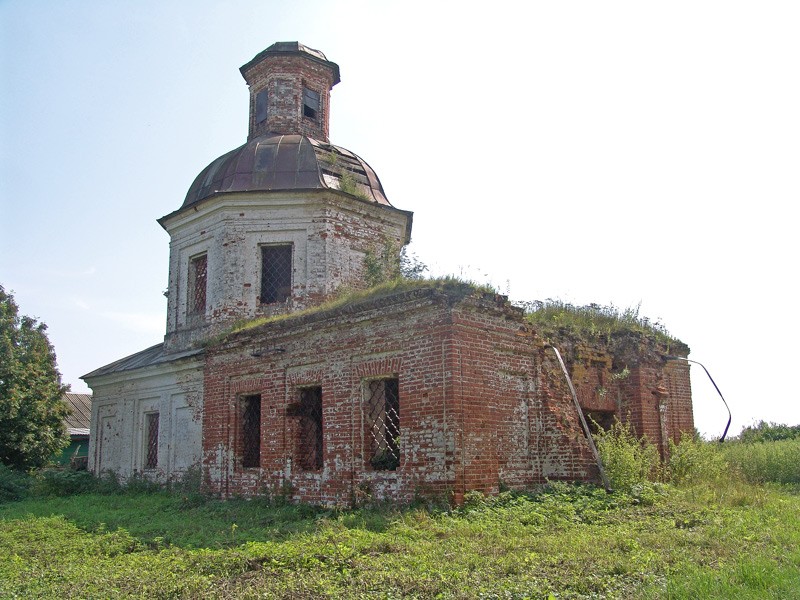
261, 106
198, 282
276, 273
310, 104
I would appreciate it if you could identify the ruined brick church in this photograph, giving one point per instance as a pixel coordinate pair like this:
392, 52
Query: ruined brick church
433, 389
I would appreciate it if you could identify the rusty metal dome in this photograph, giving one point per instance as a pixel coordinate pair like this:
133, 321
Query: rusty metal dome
276, 162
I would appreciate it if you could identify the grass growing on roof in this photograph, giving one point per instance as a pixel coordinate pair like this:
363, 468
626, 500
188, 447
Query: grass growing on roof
592, 321
346, 296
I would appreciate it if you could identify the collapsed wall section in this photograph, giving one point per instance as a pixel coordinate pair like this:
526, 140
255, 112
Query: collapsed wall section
630, 377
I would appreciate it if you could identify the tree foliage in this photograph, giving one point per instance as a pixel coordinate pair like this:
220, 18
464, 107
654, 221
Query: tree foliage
769, 432
31, 407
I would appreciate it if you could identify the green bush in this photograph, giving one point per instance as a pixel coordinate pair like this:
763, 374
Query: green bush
628, 461
777, 462
62, 482
13, 484
694, 461
190, 488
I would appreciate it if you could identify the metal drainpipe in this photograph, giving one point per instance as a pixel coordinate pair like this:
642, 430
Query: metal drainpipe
595, 453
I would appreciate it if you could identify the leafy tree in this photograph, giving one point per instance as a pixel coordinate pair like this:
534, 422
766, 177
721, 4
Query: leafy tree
769, 432
31, 407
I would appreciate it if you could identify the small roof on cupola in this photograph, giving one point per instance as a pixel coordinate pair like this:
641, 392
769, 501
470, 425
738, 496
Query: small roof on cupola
283, 48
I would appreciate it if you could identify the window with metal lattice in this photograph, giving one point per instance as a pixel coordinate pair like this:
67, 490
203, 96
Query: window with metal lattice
276, 273
308, 442
151, 440
198, 285
382, 420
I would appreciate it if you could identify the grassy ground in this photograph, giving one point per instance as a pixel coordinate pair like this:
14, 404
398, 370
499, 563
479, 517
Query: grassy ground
730, 540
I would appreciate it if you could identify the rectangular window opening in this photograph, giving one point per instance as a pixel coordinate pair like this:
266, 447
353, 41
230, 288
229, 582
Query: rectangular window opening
261, 106
251, 431
382, 418
198, 283
276, 273
309, 429
310, 103
151, 440
599, 420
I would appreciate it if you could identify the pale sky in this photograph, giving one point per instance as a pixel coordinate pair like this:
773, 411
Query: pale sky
625, 153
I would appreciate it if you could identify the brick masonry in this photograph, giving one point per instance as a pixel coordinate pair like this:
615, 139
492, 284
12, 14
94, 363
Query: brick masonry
483, 403
283, 77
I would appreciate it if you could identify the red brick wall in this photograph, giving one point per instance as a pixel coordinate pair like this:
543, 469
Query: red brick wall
408, 339
637, 384
483, 401
519, 422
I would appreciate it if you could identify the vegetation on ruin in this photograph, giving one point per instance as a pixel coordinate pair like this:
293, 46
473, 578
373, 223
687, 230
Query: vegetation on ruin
592, 321
700, 530
389, 270
347, 296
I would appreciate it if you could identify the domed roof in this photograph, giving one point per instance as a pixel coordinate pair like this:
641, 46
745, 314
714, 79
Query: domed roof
275, 162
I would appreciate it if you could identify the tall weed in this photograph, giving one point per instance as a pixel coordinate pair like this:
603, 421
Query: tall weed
629, 461
777, 462
694, 461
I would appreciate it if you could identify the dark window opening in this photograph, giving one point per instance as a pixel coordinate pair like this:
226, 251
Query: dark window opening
310, 103
276, 273
261, 106
309, 428
251, 431
382, 416
151, 440
198, 283
599, 420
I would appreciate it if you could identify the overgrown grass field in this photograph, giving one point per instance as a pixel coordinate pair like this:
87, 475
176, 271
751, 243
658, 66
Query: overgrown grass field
707, 529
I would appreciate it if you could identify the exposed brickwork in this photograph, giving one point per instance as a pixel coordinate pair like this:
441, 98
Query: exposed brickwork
284, 77
629, 379
483, 402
